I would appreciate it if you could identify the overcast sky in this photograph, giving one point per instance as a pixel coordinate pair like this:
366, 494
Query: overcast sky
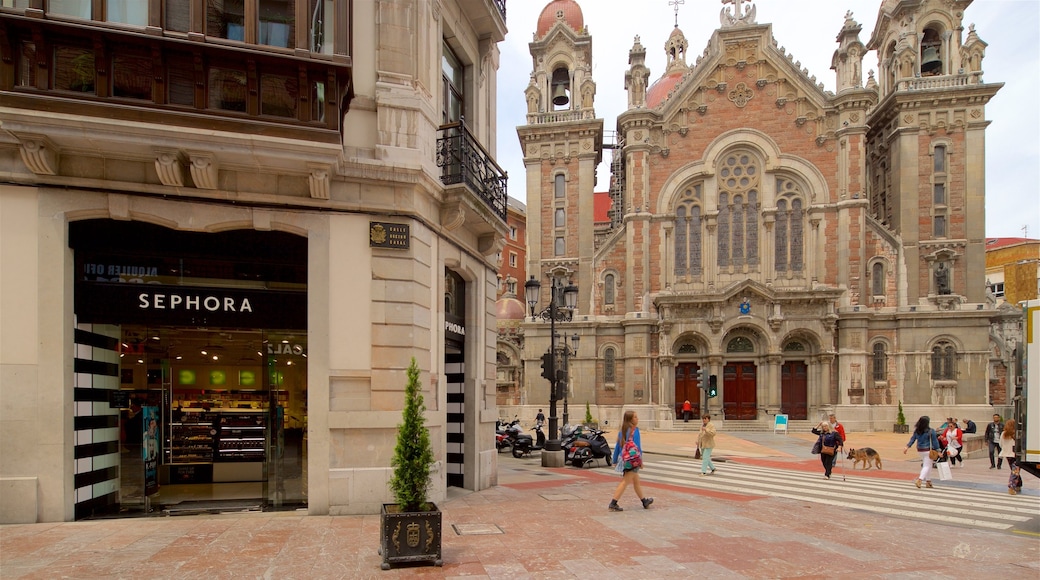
807, 29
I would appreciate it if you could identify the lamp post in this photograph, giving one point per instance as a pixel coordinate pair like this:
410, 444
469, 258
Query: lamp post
561, 307
567, 353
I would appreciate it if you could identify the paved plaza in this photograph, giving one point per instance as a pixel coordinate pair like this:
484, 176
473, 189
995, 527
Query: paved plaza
553, 523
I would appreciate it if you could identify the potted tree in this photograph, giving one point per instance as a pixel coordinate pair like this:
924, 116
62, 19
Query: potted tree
411, 527
589, 421
900, 425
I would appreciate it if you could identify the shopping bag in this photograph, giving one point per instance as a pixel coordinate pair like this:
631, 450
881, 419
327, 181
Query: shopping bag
944, 470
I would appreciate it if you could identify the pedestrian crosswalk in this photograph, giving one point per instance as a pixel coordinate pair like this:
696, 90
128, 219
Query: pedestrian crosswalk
899, 498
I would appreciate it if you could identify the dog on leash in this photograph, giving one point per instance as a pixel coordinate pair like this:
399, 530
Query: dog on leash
868, 456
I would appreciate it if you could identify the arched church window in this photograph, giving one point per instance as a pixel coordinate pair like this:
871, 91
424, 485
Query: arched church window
738, 180
944, 358
790, 226
609, 364
880, 362
559, 186
877, 279
794, 346
740, 344
688, 233
687, 348
608, 289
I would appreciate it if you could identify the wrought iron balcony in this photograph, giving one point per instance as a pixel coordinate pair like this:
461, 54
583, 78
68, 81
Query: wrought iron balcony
463, 161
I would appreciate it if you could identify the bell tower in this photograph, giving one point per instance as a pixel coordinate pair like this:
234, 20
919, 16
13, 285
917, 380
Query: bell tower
926, 172
562, 144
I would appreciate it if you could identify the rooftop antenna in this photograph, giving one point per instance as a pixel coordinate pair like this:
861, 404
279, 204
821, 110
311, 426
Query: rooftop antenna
675, 4
1025, 231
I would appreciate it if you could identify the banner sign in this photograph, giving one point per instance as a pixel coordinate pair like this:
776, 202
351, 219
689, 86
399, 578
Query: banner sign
150, 449
157, 304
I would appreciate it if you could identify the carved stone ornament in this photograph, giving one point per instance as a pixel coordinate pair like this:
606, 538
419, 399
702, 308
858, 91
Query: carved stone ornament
39, 155
204, 170
170, 167
740, 95
318, 180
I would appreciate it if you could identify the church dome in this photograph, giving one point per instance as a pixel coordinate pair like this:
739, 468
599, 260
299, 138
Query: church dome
658, 92
509, 308
571, 15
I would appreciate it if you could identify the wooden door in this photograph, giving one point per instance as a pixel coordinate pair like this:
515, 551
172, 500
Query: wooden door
740, 391
794, 391
687, 387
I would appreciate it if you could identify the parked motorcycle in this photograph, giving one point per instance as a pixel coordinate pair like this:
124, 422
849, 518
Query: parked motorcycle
588, 446
503, 442
524, 444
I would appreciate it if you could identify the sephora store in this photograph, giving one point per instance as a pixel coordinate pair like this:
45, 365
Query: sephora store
190, 369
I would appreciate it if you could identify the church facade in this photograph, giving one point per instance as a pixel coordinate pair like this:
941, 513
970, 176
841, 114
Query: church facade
800, 250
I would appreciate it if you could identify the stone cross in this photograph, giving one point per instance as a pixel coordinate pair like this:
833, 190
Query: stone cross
675, 5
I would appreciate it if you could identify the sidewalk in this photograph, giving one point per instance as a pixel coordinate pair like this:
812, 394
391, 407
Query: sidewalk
552, 523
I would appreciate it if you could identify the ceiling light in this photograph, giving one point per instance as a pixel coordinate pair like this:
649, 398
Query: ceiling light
203, 352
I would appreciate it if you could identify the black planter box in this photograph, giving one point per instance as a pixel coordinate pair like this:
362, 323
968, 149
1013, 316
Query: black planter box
410, 537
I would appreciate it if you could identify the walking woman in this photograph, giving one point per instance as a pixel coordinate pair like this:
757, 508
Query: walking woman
828, 438
629, 431
926, 440
706, 442
1007, 451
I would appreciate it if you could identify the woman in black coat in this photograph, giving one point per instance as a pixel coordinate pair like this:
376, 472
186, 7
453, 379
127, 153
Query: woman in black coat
828, 438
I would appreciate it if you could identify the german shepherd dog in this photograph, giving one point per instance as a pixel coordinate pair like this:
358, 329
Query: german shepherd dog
868, 456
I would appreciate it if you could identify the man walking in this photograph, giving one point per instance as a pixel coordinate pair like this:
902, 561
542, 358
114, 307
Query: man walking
838, 427
993, 440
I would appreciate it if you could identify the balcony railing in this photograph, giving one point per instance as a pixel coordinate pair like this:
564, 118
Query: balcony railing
501, 7
463, 160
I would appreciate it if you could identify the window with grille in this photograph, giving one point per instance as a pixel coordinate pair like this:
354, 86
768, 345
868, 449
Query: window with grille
688, 233
789, 227
608, 289
609, 364
880, 362
944, 358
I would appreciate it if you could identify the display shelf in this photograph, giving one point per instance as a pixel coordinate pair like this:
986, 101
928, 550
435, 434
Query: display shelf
193, 438
241, 437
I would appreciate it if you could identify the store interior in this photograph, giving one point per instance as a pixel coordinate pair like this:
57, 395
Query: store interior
233, 408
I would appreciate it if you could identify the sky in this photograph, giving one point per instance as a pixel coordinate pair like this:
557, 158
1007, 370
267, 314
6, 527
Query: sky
807, 29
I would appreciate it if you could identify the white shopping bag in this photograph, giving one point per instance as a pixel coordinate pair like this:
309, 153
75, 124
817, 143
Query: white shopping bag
944, 470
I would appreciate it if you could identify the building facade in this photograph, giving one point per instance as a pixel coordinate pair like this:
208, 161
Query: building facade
806, 250
227, 228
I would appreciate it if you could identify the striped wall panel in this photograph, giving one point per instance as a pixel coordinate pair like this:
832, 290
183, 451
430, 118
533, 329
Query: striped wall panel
454, 369
96, 425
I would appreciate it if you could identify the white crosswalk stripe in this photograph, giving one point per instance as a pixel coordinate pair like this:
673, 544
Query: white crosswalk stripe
952, 505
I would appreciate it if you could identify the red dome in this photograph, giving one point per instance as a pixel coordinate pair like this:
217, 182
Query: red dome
658, 91
509, 308
571, 15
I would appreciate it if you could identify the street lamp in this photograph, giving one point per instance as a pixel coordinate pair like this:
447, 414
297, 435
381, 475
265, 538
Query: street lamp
561, 310
567, 365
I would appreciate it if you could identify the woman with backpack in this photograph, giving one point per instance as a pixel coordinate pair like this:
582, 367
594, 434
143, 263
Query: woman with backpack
628, 456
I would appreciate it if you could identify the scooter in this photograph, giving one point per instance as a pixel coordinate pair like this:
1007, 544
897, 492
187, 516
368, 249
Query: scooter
590, 447
503, 442
524, 444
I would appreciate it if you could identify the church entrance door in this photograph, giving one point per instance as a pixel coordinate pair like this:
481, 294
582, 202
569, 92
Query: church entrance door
794, 390
687, 388
740, 391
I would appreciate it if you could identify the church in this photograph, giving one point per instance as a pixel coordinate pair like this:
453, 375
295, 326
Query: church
766, 247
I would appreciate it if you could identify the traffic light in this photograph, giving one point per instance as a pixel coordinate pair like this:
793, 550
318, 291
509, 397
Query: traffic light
704, 378
547, 367
713, 386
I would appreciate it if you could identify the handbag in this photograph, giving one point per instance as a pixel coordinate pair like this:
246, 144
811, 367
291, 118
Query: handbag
697, 454
933, 454
827, 450
630, 454
817, 447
